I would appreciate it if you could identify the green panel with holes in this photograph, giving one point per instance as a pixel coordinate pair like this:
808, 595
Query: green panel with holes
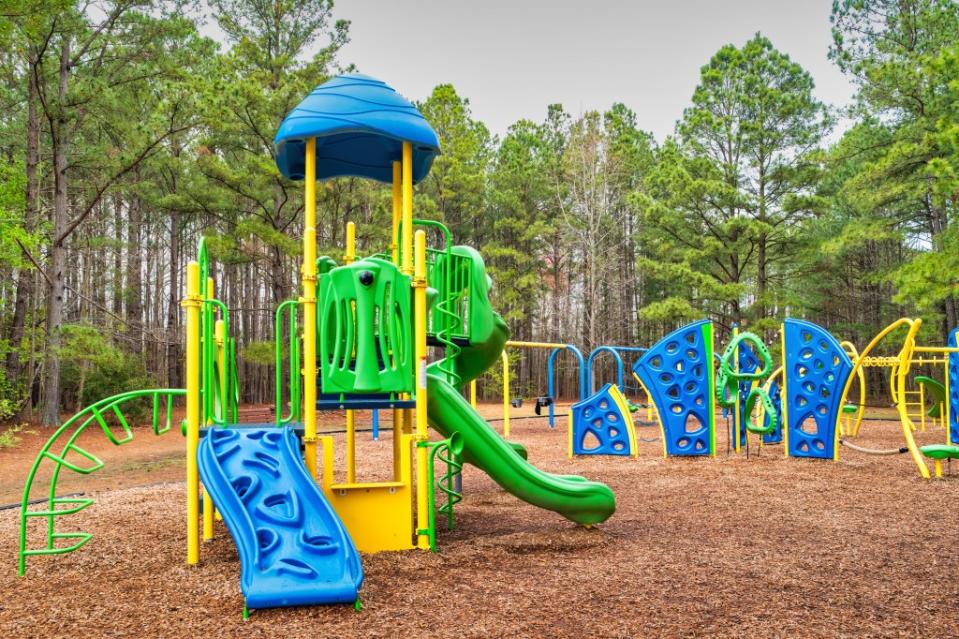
365, 329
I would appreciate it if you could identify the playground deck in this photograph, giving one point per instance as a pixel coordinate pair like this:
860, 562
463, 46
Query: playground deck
695, 547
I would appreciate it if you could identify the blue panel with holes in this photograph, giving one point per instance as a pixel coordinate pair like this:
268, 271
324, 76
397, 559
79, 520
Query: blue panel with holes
677, 372
748, 363
293, 548
599, 426
816, 369
954, 388
775, 394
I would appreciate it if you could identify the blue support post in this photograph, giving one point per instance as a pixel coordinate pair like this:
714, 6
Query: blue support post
376, 424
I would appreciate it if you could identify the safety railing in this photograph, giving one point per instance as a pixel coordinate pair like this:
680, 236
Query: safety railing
219, 390
289, 307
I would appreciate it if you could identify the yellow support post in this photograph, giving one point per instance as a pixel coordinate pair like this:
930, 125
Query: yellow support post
192, 304
398, 414
422, 434
505, 358
349, 257
209, 510
785, 394
407, 241
473, 393
946, 412
308, 302
397, 211
736, 411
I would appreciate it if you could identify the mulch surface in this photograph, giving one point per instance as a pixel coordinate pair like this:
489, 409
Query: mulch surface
758, 547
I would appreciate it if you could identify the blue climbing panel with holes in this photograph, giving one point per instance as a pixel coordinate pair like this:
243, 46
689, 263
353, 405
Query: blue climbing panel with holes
816, 370
293, 548
748, 363
602, 424
775, 394
677, 372
954, 388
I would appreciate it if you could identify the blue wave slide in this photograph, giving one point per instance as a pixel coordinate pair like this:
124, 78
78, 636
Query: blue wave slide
293, 548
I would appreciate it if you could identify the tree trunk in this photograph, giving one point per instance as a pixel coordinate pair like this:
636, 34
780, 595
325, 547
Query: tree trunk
58, 250
134, 287
25, 277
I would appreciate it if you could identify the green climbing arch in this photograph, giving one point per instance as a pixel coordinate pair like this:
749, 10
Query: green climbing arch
63, 452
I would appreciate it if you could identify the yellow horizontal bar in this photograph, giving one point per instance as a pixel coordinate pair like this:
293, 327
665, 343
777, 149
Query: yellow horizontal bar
368, 485
936, 349
535, 344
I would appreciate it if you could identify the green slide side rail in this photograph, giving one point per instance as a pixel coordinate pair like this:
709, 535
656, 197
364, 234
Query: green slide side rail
62, 451
938, 392
575, 498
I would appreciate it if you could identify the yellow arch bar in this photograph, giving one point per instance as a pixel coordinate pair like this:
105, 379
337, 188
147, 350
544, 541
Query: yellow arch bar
902, 370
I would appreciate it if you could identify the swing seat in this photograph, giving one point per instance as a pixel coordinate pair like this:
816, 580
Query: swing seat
940, 451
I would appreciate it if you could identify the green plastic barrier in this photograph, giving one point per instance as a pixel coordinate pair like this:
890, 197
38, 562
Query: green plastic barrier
366, 329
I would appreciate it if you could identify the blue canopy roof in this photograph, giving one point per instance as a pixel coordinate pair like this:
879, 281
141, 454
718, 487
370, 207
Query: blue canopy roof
360, 124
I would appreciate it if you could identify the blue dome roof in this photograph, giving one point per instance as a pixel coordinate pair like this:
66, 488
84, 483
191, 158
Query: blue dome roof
360, 124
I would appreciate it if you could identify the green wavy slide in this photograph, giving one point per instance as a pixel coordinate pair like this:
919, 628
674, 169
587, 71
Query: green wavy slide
579, 500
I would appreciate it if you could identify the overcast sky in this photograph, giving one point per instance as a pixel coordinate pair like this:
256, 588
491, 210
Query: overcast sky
513, 58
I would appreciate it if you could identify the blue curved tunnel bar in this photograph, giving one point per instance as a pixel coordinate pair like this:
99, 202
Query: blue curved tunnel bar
550, 374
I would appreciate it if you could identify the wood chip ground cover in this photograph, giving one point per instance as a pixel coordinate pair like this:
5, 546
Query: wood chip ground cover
758, 547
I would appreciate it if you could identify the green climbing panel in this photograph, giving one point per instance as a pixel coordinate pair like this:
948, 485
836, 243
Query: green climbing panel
365, 325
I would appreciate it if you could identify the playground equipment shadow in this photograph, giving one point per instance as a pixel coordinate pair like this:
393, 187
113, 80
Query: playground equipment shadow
728, 547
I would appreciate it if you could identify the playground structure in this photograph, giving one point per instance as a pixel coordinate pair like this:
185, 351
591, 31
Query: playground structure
803, 402
585, 376
358, 339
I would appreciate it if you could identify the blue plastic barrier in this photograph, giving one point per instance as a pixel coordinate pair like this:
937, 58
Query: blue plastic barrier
816, 368
954, 388
677, 372
605, 417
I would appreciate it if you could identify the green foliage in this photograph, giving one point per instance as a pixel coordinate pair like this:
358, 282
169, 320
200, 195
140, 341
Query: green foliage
11, 435
457, 181
12, 230
94, 368
725, 196
259, 352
